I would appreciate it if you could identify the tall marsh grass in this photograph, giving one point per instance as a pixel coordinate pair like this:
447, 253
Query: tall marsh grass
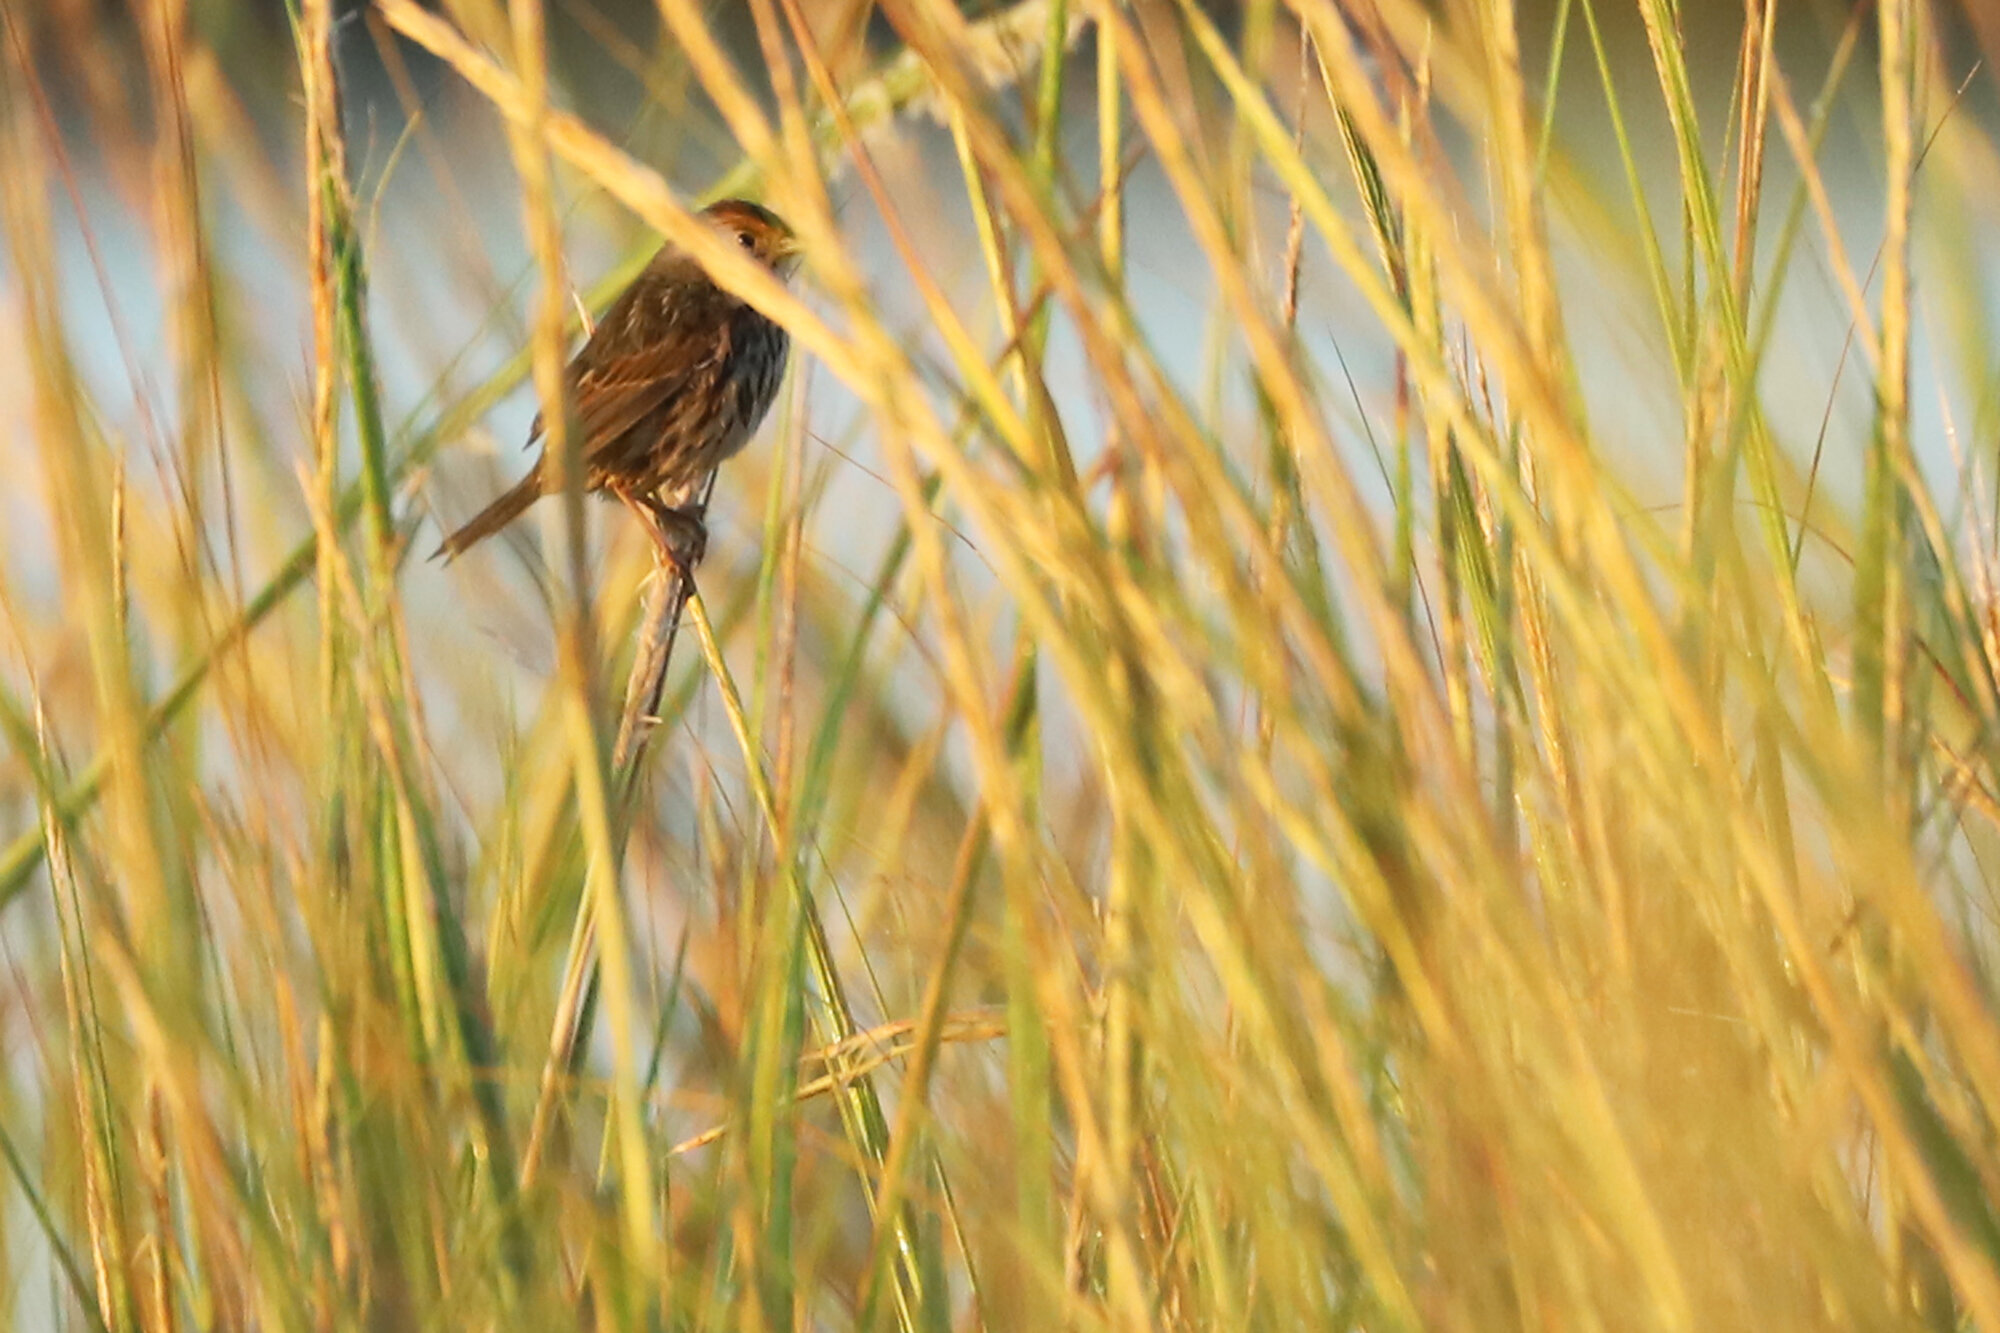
1387, 829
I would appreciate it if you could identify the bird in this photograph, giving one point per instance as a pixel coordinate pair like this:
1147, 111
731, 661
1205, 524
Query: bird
672, 382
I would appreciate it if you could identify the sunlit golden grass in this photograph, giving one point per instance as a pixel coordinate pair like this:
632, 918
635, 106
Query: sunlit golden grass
1244, 850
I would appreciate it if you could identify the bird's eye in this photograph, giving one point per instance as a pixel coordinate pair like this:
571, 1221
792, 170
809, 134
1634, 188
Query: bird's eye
746, 240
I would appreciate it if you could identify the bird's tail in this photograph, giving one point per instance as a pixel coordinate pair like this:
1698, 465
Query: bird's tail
494, 517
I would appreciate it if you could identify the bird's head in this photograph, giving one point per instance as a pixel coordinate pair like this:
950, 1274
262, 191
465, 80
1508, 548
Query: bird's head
759, 231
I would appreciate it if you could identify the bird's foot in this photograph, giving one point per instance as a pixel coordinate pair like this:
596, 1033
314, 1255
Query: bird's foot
682, 533
680, 537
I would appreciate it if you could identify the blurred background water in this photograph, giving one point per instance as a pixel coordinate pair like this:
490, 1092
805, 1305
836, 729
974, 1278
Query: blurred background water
452, 284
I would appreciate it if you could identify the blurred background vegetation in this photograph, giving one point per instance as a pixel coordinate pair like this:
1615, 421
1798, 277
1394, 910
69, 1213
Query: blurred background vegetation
1358, 684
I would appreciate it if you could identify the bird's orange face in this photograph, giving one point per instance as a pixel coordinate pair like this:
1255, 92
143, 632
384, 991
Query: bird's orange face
759, 231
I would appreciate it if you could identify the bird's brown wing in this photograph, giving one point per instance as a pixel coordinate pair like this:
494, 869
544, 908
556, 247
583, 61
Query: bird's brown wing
653, 343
